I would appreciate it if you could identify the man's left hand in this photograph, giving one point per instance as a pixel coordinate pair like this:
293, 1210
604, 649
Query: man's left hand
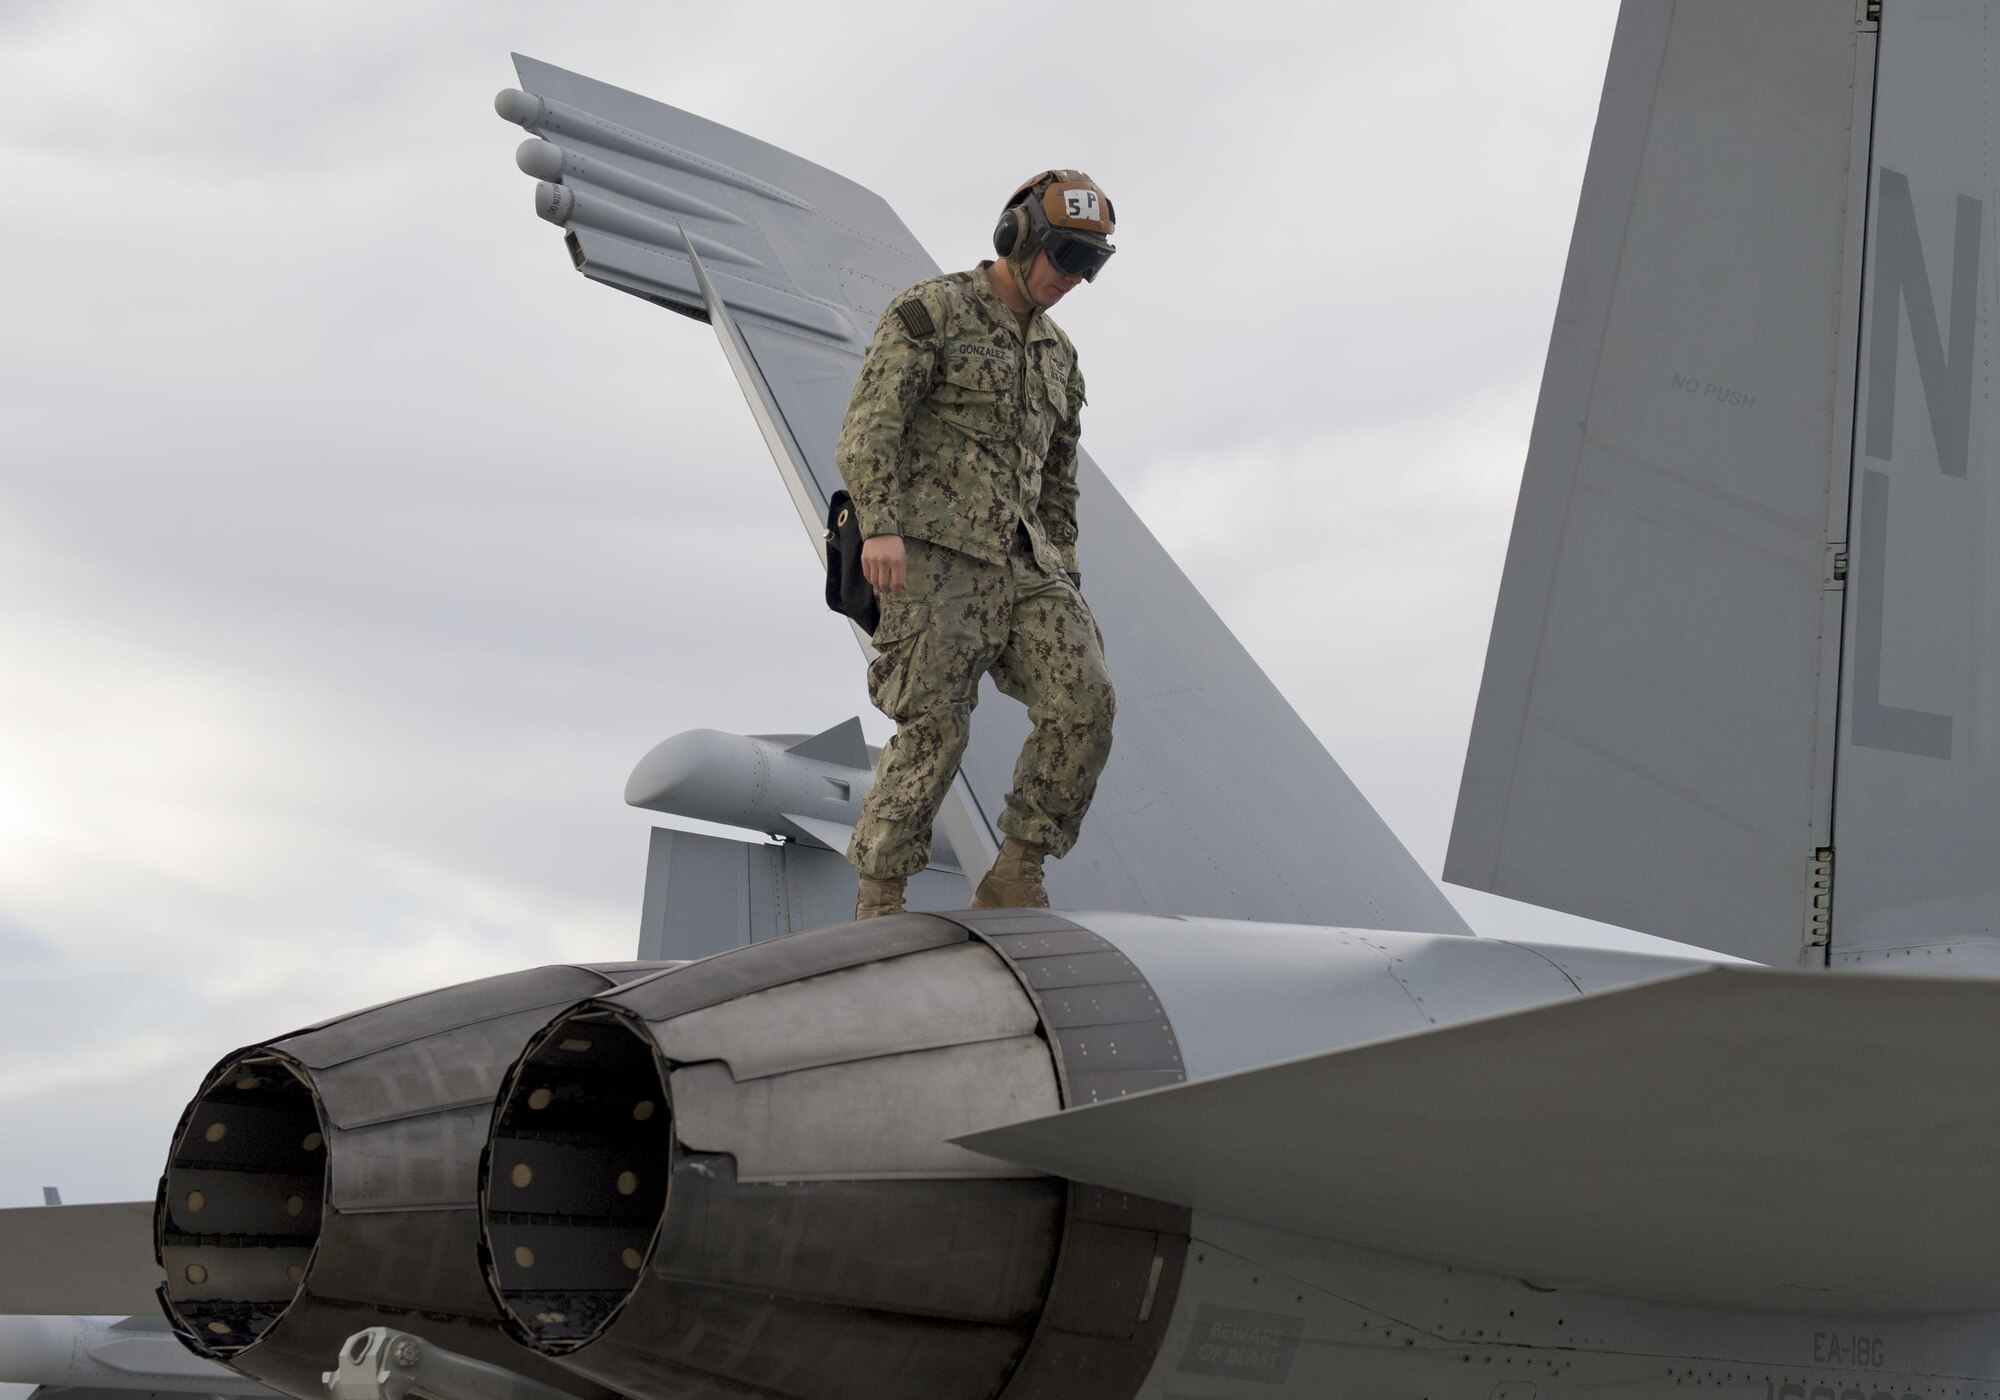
885, 564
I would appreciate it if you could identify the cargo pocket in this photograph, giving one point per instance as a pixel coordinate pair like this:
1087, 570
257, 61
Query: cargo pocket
898, 639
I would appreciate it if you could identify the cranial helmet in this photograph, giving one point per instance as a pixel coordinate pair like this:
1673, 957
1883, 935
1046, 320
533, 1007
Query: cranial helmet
1062, 213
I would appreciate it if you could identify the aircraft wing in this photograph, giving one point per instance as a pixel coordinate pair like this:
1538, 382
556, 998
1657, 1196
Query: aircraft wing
1218, 799
1738, 1136
93, 1259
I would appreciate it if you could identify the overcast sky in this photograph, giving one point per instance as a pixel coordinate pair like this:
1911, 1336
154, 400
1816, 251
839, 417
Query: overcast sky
353, 547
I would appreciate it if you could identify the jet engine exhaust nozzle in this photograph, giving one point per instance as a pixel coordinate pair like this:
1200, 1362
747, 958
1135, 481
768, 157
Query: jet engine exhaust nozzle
328, 1180
582, 1141
740, 1177
240, 1201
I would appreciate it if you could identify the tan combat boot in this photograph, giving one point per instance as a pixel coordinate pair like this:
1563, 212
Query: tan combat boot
1015, 881
878, 897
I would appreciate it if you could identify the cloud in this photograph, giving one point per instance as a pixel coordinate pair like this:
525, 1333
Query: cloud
354, 548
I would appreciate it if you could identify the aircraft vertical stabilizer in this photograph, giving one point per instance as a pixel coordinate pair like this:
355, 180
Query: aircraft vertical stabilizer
1653, 740
1744, 669
1218, 799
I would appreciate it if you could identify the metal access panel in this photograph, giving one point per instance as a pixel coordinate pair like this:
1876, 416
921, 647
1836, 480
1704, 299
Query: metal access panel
1652, 740
1917, 796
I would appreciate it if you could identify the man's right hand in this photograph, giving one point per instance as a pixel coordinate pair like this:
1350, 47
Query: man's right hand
884, 564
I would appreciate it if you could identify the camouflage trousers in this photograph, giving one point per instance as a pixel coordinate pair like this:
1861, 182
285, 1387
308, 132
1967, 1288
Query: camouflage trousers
960, 619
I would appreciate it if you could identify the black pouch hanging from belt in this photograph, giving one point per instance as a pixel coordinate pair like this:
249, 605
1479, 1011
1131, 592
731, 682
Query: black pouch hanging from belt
847, 592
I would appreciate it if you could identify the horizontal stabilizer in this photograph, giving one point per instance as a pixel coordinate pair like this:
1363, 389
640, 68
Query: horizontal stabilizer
1738, 1136
85, 1260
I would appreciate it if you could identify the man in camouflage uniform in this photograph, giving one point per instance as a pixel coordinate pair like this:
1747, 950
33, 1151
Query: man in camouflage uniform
959, 450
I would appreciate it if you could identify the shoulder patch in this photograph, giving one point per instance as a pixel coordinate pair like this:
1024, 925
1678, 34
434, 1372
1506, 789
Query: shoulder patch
916, 319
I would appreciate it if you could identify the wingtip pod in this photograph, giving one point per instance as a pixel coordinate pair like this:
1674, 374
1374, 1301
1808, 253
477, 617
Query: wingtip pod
539, 158
705, 768
564, 206
521, 108
554, 202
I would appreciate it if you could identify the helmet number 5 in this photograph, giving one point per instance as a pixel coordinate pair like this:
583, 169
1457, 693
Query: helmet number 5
1081, 204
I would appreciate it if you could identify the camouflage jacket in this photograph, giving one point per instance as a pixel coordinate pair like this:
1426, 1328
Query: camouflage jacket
961, 426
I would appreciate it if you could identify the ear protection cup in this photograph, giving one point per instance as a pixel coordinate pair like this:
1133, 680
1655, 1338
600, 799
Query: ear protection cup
1008, 232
